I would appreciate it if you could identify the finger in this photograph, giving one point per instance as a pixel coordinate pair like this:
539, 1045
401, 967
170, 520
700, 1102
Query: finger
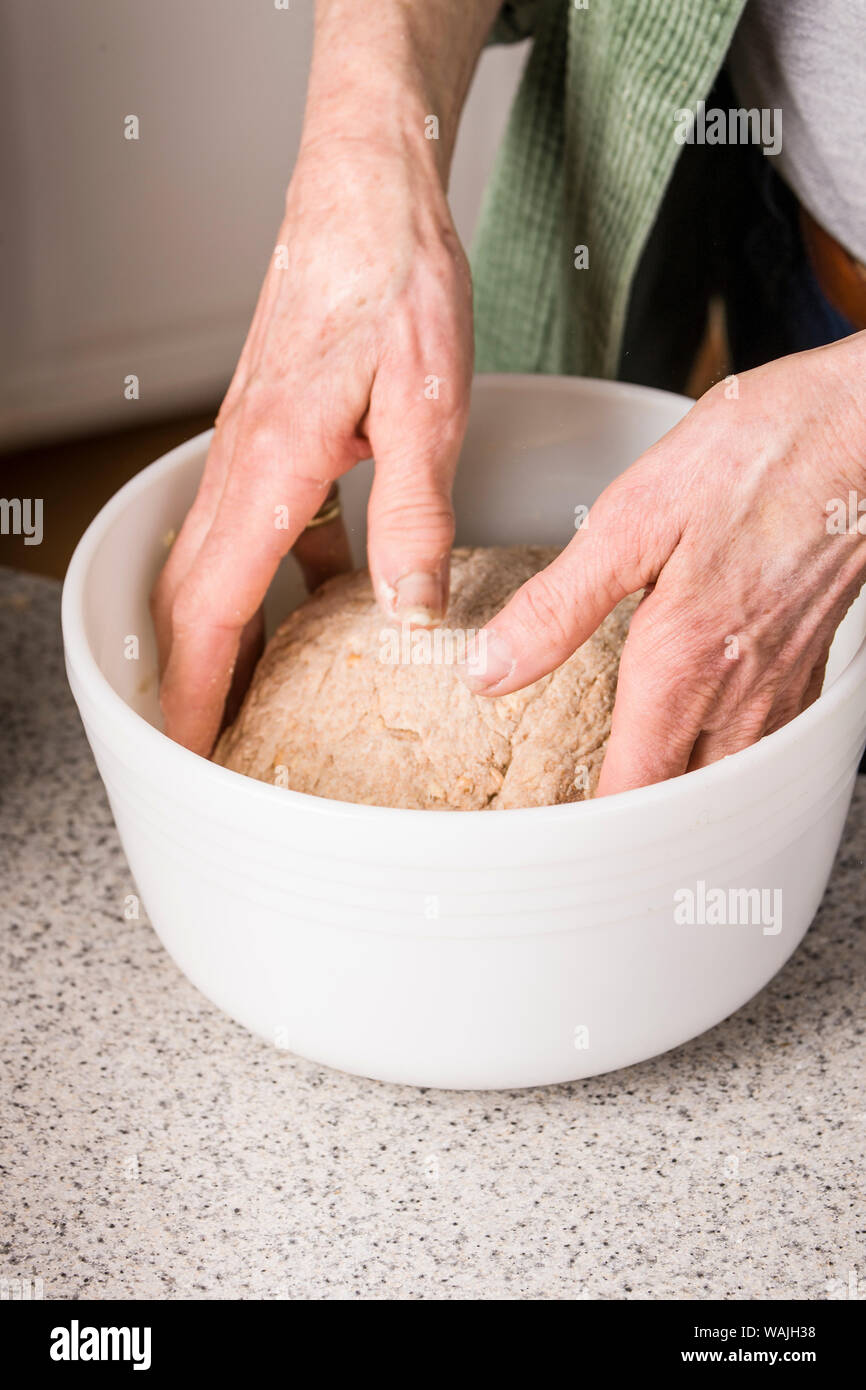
201, 515
196, 525
548, 618
261, 513
323, 551
816, 682
797, 697
659, 709
416, 442
249, 650
740, 730
763, 713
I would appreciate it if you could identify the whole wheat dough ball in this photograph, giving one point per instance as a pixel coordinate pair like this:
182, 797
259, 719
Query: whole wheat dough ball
345, 705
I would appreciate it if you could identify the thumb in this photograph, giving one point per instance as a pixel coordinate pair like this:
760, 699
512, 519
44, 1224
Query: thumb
556, 610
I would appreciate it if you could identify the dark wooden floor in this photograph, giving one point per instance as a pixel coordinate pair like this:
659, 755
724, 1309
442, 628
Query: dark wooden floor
75, 478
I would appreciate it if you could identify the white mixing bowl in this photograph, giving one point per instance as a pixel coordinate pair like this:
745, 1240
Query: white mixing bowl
459, 949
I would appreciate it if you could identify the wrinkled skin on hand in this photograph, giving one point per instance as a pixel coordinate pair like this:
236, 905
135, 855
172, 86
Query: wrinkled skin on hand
366, 301
724, 522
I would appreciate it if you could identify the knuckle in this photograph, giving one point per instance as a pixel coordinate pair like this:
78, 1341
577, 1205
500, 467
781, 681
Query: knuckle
633, 520
747, 719
669, 680
544, 606
263, 437
418, 518
443, 274
187, 609
199, 604
672, 667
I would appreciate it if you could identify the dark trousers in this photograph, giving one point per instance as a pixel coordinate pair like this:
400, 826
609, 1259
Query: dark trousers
729, 226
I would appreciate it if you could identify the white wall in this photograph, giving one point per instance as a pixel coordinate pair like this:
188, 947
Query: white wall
145, 256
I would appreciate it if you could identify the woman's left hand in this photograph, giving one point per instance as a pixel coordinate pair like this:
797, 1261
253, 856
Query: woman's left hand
739, 524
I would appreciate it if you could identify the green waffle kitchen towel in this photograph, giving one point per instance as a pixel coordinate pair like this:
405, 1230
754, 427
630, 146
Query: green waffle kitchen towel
587, 155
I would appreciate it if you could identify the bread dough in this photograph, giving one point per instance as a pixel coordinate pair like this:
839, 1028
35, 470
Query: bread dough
339, 708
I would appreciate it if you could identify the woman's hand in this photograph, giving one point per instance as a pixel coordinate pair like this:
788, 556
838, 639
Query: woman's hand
361, 344
730, 524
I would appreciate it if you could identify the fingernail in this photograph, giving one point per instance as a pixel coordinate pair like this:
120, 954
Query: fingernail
418, 599
490, 663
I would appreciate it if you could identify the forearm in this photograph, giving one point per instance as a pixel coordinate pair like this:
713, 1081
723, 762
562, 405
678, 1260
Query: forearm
380, 69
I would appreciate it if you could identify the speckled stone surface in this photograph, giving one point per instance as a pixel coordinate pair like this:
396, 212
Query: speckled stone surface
152, 1148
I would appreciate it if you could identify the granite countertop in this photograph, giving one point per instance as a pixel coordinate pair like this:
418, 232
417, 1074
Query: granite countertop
153, 1148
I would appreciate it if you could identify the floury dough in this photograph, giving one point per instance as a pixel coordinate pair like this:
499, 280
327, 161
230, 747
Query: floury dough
345, 705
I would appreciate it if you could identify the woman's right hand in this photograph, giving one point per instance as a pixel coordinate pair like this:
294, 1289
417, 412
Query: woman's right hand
361, 344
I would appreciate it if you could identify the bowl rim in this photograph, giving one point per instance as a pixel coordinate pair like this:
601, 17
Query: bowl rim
82, 664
